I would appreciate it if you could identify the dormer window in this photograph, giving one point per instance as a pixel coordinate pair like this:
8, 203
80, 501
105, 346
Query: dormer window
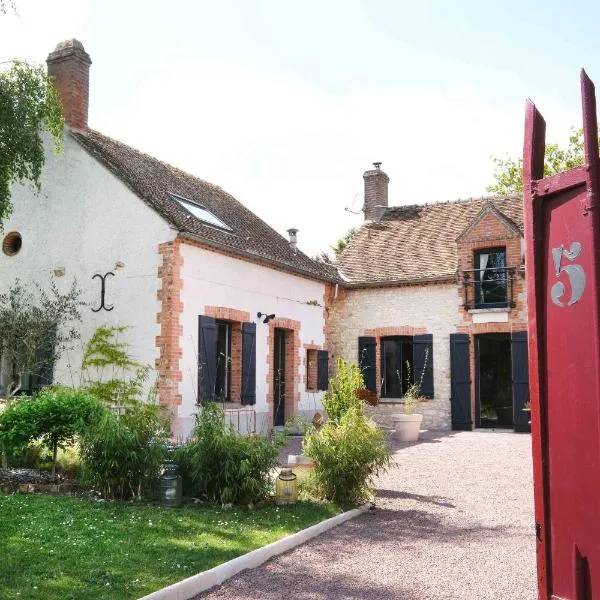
200, 212
491, 278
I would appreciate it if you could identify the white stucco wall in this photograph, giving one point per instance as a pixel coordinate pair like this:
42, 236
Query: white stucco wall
211, 279
85, 221
434, 307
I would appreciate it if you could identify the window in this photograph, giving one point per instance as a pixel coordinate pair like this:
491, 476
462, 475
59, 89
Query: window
311, 369
223, 356
11, 244
491, 278
200, 212
397, 366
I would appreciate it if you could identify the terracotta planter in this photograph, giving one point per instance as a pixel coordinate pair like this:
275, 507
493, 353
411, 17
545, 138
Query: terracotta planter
407, 427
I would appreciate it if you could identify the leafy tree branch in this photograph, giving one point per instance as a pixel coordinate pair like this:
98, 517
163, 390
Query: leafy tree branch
29, 104
509, 172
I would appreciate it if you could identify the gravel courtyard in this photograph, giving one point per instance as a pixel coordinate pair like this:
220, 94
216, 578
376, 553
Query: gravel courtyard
454, 520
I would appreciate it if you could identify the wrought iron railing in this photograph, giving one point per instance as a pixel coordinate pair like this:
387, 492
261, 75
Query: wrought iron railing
489, 288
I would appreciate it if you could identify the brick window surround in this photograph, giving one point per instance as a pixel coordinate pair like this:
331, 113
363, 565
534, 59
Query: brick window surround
292, 362
380, 332
236, 318
311, 366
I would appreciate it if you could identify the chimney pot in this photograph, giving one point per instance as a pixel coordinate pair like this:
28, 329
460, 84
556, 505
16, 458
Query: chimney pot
292, 232
69, 69
376, 193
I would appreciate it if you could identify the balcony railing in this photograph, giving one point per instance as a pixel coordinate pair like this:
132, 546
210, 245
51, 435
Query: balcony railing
489, 288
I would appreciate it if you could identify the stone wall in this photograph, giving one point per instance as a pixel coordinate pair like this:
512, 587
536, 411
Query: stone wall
430, 309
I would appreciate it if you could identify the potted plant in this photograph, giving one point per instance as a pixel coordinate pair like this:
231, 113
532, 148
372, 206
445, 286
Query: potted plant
407, 424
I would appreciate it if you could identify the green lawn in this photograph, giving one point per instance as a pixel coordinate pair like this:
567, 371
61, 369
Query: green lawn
72, 548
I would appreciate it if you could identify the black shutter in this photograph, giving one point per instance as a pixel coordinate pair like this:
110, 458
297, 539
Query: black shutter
207, 360
520, 380
460, 381
44, 361
366, 361
322, 369
423, 363
248, 363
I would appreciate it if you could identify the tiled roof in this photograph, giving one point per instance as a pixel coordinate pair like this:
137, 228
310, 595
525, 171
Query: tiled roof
152, 180
417, 242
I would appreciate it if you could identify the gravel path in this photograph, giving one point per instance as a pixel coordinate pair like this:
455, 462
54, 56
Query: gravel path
454, 520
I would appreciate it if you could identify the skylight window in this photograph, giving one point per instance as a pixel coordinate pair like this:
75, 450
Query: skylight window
201, 212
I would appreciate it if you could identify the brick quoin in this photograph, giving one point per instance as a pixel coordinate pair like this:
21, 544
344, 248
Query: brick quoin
236, 318
168, 342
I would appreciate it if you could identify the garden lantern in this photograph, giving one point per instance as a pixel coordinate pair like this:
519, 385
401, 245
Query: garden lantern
286, 488
170, 487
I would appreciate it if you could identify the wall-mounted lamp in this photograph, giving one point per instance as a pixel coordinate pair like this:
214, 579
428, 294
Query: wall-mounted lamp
59, 271
267, 317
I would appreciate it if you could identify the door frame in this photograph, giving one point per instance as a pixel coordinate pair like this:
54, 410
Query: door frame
279, 388
477, 398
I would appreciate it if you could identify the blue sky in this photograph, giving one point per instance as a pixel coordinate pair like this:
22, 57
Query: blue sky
285, 104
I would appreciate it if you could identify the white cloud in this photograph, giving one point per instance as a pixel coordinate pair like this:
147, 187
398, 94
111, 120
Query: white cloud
295, 153
39, 25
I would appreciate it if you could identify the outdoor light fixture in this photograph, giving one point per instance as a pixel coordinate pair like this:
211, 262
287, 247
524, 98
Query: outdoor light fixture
267, 317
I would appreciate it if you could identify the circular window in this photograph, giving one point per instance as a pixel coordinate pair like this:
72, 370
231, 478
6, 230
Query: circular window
11, 244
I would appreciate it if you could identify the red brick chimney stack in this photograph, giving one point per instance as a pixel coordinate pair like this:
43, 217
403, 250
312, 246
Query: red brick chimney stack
69, 68
376, 193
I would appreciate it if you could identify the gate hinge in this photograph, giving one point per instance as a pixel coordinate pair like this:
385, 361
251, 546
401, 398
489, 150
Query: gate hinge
538, 532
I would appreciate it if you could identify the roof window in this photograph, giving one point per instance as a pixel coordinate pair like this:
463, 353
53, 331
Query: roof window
200, 212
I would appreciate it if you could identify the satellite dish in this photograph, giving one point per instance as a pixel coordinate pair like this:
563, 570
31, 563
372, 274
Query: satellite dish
356, 206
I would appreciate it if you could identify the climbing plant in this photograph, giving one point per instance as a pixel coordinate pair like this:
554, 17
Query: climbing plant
29, 104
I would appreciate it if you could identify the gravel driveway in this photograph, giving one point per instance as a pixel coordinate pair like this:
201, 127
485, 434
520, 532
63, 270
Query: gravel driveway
454, 520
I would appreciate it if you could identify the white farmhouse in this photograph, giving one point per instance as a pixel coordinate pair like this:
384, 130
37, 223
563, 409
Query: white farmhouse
218, 302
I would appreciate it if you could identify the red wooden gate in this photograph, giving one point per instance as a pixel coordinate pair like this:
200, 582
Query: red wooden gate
562, 231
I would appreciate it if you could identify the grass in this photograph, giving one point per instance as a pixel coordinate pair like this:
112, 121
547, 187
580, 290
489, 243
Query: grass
60, 548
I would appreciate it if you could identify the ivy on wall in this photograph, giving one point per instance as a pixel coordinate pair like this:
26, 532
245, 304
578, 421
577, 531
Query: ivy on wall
29, 104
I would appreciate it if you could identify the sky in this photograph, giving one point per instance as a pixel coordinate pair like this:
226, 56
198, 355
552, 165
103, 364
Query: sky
285, 104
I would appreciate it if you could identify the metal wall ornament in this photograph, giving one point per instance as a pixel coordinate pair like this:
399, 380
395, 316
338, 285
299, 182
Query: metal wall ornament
575, 273
103, 304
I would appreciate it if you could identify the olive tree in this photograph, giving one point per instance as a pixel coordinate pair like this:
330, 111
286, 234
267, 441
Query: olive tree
35, 330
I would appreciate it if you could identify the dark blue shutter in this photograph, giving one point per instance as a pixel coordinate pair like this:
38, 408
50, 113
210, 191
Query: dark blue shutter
460, 381
366, 361
207, 360
520, 380
44, 360
248, 363
423, 363
322, 369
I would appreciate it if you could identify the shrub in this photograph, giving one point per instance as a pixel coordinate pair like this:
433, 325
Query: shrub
54, 417
223, 466
348, 451
122, 455
108, 370
342, 394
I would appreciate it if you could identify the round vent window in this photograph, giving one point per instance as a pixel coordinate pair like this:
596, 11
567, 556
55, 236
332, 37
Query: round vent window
11, 244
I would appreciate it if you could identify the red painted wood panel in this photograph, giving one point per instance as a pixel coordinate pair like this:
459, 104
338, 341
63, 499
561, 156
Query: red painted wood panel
563, 250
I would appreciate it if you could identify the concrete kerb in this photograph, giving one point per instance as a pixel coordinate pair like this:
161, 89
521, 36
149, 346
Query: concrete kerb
196, 584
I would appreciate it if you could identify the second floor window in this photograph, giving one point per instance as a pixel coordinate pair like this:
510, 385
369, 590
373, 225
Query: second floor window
491, 278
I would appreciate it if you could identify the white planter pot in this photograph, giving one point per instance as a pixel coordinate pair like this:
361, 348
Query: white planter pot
407, 427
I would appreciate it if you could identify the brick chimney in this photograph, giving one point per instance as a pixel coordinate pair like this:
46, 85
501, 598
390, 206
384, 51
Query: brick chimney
69, 68
376, 193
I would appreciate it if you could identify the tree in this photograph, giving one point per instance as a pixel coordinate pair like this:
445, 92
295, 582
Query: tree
341, 244
34, 333
509, 172
29, 104
54, 417
6, 4
338, 247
